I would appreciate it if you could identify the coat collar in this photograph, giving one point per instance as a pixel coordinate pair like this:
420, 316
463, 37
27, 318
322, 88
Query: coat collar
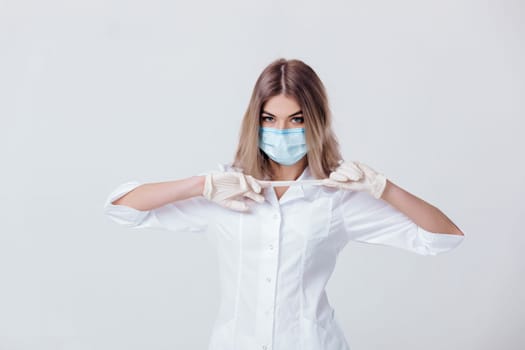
292, 193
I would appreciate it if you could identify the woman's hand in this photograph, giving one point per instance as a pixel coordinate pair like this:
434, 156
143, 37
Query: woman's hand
353, 175
230, 188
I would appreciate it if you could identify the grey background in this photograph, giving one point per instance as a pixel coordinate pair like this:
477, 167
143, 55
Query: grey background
95, 93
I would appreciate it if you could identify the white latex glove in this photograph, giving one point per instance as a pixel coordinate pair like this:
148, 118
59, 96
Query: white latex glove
353, 175
230, 188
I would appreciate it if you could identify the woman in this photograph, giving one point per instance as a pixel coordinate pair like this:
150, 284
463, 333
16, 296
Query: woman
277, 245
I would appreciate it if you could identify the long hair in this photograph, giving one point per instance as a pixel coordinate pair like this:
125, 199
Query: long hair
297, 80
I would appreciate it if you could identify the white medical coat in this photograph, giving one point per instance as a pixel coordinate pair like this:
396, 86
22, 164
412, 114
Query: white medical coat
275, 261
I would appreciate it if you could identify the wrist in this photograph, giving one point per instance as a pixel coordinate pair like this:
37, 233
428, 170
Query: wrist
197, 187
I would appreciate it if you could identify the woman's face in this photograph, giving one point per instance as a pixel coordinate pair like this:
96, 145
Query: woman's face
281, 112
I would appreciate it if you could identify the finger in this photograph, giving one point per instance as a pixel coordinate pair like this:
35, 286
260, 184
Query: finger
254, 184
338, 176
256, 197
367, 170
332, 183
351, 170
351, 185
242, 182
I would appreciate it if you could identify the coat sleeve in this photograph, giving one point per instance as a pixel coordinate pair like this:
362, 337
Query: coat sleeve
374, 221
194, 214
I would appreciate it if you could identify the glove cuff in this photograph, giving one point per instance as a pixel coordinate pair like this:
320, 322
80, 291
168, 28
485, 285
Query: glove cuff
208, 187
378, 186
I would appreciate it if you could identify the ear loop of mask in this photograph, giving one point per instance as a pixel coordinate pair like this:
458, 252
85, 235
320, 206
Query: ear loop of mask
265, 183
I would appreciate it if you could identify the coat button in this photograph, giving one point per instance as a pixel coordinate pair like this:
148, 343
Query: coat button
268, 279
270, 246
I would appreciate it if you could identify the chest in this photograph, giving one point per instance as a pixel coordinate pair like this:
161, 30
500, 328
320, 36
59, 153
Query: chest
291, 226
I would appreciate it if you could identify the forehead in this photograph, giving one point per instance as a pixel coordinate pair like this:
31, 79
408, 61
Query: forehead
281, 105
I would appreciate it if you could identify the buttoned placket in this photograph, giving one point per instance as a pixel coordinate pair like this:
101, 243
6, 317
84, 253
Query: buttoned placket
270, 268
271, 263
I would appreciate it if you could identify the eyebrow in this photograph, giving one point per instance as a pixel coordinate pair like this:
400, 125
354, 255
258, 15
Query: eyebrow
291, 115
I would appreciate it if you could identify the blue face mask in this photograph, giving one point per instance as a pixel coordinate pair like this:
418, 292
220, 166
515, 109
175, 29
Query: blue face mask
284, 146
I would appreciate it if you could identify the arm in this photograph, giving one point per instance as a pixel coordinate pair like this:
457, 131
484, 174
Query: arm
422, 213
154, 195
183, 205
376, 211
172, 205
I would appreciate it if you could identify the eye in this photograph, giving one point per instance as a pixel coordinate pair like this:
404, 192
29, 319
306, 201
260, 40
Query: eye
298, 120
265, 118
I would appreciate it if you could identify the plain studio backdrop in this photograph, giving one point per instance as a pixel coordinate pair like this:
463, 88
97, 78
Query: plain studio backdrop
95, 93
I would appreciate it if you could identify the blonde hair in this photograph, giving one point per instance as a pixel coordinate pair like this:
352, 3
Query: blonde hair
297, 80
